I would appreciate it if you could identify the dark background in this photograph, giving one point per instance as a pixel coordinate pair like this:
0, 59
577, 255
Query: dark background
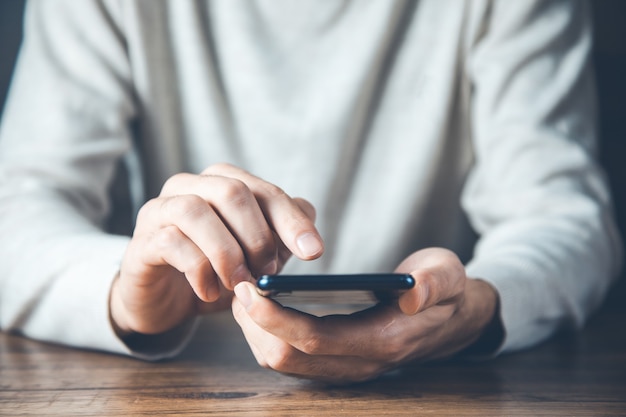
609, 59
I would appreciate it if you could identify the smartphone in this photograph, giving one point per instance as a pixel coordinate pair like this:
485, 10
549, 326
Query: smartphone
275, 284
333, 294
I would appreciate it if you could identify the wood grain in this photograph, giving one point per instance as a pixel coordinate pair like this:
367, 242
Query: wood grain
581, 374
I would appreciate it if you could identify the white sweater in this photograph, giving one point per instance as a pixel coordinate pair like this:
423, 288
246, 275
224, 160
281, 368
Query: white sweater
403, 122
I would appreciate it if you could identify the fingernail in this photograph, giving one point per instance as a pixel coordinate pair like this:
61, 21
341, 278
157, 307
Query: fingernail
243, 294
309, 244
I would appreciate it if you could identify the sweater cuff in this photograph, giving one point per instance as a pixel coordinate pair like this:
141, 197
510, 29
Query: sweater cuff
77, 306
517, 302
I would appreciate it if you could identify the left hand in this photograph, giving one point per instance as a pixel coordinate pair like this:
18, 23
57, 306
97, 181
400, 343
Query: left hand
444, 313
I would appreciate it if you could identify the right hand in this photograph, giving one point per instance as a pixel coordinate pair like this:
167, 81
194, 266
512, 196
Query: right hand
199, 238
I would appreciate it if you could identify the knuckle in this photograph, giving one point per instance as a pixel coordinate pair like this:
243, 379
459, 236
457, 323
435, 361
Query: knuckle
189, 206
429, 276
262, 247
273, 191
167, 237
450, 257
218, 168
235, 192
147, 208
173, 182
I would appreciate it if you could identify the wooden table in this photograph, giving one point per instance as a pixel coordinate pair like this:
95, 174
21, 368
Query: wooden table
573, 374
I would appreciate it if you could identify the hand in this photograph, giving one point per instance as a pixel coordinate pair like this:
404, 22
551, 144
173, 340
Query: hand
444, 313
198, 239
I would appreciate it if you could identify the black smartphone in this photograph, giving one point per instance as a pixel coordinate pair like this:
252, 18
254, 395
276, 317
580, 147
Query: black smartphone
275, 284
333, 294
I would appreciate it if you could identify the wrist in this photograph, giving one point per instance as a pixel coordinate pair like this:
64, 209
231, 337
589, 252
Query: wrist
116, 312
483, 305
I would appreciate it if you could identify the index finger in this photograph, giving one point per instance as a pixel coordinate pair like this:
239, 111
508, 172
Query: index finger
286, 216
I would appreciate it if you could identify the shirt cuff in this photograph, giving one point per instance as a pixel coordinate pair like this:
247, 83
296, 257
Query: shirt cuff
75, 310
519, 305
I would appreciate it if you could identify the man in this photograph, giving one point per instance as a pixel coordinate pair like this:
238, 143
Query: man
396, 122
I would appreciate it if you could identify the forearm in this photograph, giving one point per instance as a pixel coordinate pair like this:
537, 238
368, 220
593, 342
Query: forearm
536, 195
57, 271
546, 277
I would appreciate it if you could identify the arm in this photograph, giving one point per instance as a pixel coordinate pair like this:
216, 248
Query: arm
64, 129
536, 195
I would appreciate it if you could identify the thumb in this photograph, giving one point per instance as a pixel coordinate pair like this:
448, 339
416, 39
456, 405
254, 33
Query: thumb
416, 299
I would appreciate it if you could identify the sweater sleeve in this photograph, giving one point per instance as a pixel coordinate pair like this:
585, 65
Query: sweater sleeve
537, 196
65, 128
